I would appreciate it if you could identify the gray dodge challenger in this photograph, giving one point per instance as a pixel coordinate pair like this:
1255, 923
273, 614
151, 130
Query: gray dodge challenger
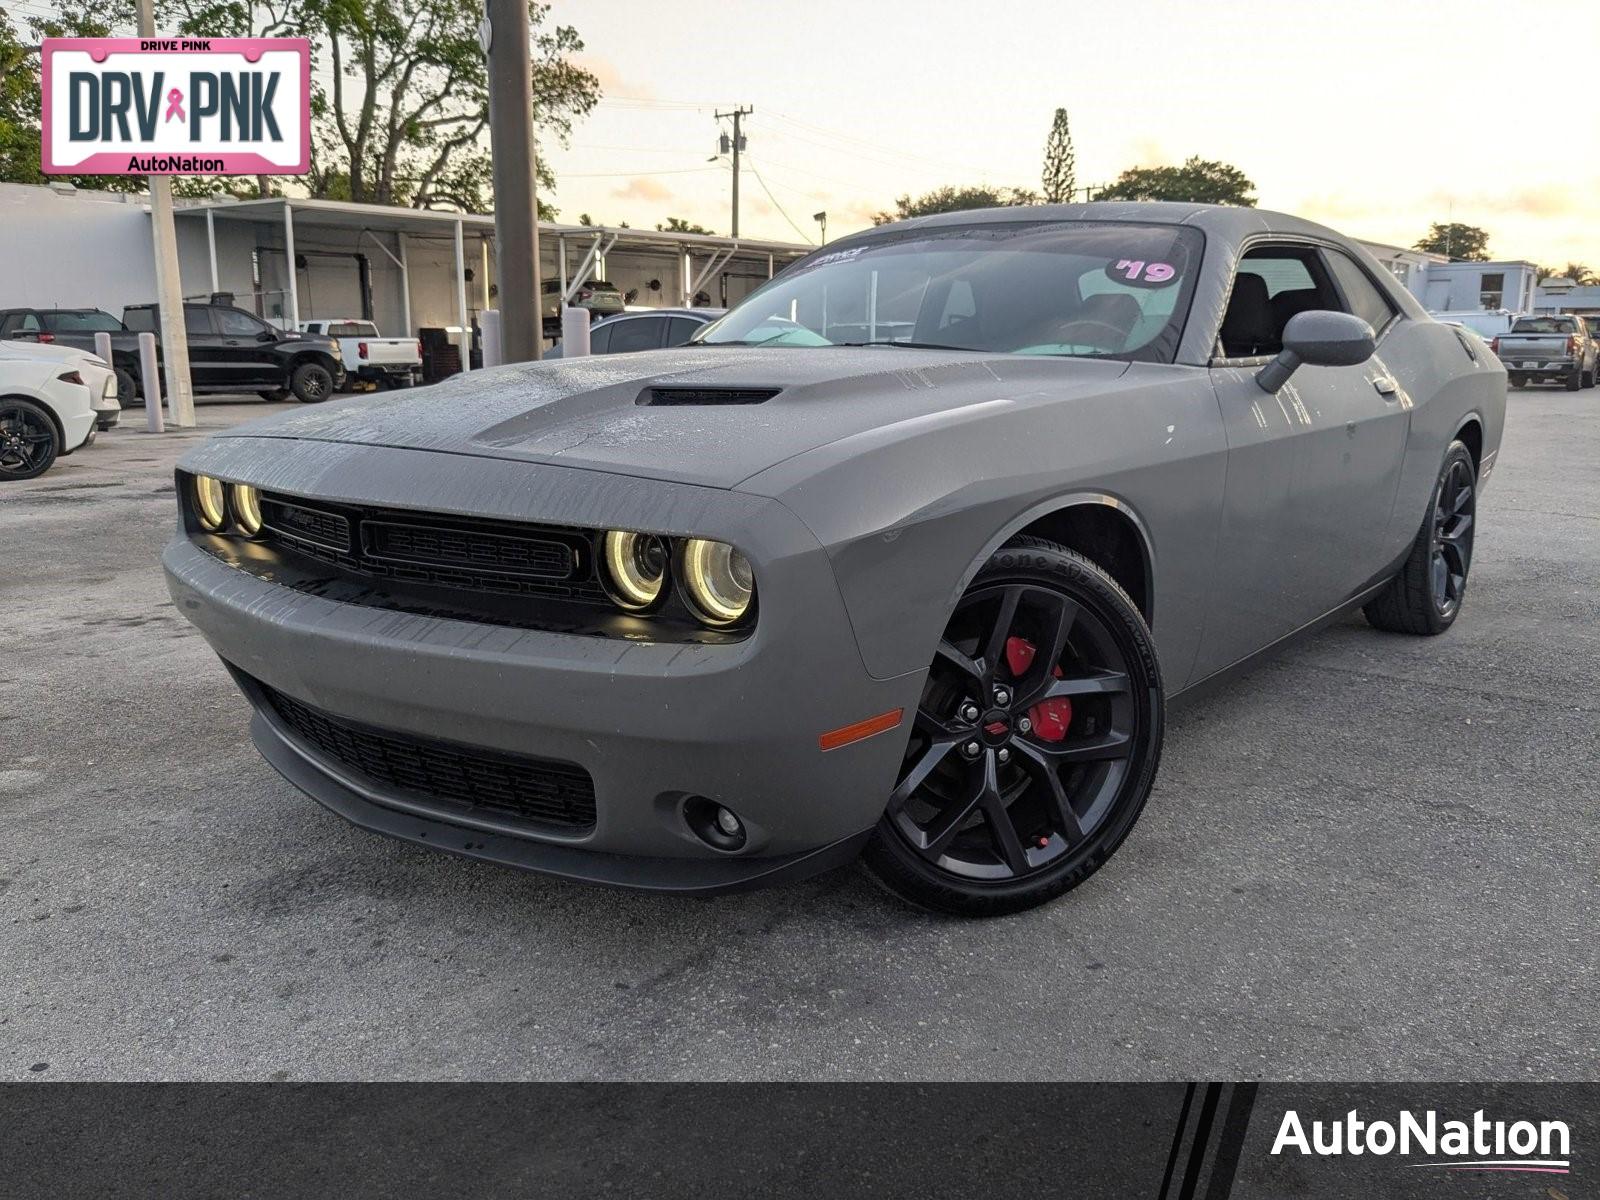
900, 559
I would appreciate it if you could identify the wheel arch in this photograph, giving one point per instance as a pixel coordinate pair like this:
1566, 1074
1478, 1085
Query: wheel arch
1470, 433
49, 411
1100, 526
318, 357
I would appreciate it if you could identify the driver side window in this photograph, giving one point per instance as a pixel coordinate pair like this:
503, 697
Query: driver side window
237, 324
1273, 284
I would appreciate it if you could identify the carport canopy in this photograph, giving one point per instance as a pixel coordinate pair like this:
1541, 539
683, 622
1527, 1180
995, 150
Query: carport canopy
579, 249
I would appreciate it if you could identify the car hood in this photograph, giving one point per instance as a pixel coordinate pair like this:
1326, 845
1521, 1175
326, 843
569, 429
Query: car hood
596, 413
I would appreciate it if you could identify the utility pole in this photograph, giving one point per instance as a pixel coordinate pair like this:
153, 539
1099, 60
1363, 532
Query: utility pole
737, 115
508, 48
169, 292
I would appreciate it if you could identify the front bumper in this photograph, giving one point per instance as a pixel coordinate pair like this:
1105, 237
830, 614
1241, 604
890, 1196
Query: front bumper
652, 722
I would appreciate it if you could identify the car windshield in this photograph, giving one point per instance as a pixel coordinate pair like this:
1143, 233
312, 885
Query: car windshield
93, 321
1545, 325
1087, 288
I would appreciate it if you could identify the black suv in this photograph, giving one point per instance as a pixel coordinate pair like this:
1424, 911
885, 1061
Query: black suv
230, 350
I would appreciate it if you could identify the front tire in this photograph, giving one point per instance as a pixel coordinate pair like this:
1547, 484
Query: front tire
29, 442
1035, 742
311, 383
1425, 597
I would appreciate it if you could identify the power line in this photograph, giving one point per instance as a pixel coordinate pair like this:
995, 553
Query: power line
776, 205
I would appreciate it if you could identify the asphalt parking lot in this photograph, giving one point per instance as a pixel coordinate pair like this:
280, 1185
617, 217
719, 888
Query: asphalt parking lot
1372, 858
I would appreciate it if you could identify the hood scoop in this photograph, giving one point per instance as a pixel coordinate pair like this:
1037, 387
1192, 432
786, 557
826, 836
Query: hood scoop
703, 397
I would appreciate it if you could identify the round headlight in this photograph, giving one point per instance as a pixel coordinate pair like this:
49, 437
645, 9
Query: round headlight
717, 581
636, 568
246, 508
210, 503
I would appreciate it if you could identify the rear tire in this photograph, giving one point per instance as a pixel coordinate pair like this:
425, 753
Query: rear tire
1588, 377
1008, 809
1518, 379
311, 383
29, 441
1574, 381
1426, 596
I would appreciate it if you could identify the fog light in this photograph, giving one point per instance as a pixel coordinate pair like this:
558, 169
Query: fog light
714, 824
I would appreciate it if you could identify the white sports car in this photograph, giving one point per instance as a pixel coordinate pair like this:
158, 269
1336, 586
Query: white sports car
45, 411
99, 378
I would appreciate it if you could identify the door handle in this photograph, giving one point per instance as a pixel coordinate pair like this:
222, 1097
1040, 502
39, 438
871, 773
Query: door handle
1387, 387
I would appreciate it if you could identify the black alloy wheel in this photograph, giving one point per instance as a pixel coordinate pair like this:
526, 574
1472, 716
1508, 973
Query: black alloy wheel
1425, 597
29, 442
1034, 744
1454, 504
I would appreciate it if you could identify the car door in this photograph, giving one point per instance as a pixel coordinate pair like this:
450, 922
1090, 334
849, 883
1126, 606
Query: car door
1312, 469
209, 365
249, 346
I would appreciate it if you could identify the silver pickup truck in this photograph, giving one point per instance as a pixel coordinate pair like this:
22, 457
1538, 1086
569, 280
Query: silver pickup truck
1553, 348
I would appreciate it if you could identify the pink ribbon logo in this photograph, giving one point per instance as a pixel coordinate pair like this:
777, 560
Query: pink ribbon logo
175, 105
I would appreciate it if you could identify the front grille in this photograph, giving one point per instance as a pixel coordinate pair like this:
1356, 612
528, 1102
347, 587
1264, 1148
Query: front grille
469, 550
447, 776
437, 550
317, 528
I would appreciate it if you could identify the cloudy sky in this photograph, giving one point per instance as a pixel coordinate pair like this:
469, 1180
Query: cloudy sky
1376, 118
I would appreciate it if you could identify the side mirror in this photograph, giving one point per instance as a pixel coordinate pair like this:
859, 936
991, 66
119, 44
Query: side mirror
266, 335
1321, 339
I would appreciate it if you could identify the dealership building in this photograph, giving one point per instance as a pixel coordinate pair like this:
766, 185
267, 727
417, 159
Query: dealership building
411, 269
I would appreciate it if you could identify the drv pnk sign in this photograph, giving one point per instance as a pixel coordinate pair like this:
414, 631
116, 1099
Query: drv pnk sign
177, 106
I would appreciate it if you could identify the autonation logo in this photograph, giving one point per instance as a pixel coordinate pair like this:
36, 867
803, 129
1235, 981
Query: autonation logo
1542, 1148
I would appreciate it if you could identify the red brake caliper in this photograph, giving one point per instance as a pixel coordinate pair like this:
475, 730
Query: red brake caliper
1050, 718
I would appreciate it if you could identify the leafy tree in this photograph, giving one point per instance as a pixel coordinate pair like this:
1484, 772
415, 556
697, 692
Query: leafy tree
679, 225
1198, 181
954, 199
1463, 243
404, 117
21, 93
1060, 179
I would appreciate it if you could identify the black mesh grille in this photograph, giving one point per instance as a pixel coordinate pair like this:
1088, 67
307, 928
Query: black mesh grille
436, 550
447, 776
466, 549
304, 525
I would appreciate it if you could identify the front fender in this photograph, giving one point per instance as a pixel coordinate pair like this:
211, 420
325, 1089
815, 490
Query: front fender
908, 515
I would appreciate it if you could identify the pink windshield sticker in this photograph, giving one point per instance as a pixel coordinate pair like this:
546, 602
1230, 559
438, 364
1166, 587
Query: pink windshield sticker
1137, 271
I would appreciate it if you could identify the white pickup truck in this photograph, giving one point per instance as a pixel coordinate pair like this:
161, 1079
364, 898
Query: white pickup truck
370, 358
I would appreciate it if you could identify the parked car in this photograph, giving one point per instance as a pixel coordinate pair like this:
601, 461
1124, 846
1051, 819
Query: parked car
602, 299
100, 379
45, 413
655, 329
230, 350
741, 610
1549, 349
368, 355
76, 327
